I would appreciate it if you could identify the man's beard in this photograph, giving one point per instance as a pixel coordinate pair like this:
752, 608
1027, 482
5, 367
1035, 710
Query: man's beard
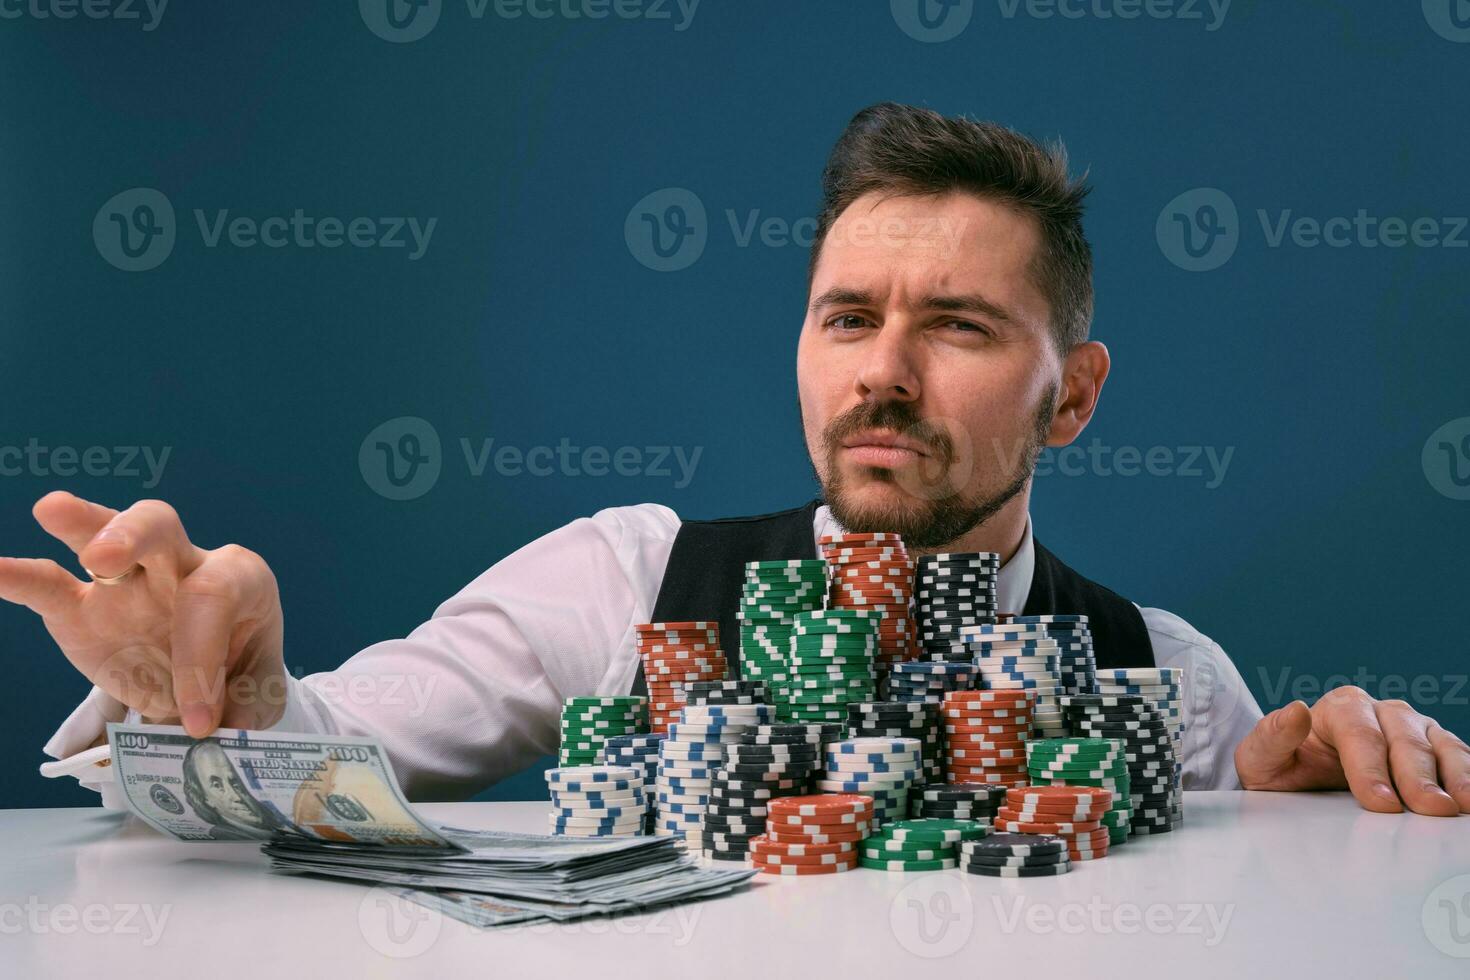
936, 512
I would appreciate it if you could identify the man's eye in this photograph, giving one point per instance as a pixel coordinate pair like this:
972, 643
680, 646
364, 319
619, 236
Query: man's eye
965, 326
847, 321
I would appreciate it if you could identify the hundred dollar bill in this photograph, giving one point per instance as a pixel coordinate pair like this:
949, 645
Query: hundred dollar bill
241, 785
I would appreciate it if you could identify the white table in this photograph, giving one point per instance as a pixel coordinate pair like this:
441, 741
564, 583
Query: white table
1254, 885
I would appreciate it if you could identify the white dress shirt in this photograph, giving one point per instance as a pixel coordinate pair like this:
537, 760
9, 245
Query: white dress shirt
474, 694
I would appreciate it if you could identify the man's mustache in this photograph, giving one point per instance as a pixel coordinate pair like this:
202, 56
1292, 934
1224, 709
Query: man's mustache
899, 417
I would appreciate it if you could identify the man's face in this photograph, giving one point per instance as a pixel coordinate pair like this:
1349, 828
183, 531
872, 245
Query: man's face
224, 791
926, 369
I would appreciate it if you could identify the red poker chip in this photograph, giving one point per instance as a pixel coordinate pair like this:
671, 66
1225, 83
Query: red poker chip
1061, 795
764, 842
997, 695
703, 624
846, 836
1055, 829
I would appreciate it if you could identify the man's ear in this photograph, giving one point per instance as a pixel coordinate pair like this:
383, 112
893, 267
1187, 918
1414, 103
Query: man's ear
1083, 372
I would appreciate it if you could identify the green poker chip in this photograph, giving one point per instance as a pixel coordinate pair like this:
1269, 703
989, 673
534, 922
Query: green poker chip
883, 849
933, 830
882, 865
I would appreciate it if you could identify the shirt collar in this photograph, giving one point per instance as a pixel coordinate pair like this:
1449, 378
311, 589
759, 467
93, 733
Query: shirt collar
1013, 585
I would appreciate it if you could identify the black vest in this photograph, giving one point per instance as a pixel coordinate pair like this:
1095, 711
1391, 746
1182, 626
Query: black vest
707, 568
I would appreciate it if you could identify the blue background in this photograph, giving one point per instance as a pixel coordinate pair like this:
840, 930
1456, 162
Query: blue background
1325, 549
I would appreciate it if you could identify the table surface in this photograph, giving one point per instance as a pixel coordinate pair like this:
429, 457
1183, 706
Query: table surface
1295, 884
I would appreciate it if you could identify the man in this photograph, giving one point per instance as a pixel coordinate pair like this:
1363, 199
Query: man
944, 344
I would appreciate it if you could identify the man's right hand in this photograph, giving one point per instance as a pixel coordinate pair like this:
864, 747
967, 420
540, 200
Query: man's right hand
189, 636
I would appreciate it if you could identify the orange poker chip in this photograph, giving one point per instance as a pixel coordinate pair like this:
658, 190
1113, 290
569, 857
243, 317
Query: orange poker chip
968, 697
1011, 826
1061, 794
793, 836
703, 624
763, 842
809, 860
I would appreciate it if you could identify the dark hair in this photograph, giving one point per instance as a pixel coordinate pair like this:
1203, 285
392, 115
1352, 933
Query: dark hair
908, 150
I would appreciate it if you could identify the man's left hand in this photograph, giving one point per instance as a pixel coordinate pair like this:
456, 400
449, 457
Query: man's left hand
1387, 753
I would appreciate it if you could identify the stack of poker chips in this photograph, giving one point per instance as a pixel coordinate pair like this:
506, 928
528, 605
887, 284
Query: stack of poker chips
985, 736
830, 664
1148, 748
957, 801
952, 591
1094, 762
773, 594
1073, 639
903, 719
639, 753
874, 572
928, 680
1073, 813
765, 762
675, 654
1019, 656
690, 758
596, 801
753, 776
882, 769
1016, 856
809, 835
1162, 690
587, 724
924, 844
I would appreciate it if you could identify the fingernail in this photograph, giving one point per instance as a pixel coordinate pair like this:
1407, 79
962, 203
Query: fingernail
1385, 790
195, 719
109, 535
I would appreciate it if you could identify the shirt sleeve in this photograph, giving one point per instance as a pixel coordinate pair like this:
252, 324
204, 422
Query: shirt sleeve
1219, 710
474, 694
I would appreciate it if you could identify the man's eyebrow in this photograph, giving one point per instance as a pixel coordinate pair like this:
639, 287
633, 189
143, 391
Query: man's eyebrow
967, 303
963, 303
842, 296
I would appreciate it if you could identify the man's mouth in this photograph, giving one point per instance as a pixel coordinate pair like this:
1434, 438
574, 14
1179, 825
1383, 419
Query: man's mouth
879, 447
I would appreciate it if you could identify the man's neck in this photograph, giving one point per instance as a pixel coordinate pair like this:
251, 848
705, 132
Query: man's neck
1002, 534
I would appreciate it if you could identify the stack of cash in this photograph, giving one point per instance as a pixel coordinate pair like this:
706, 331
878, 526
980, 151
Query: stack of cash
329, 805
